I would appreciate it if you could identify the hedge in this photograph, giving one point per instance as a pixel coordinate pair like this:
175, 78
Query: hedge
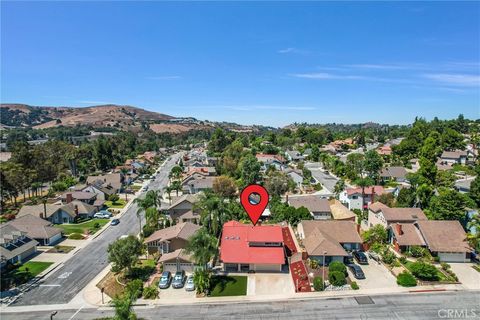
318, 284
337, 278
405, 279
337, 266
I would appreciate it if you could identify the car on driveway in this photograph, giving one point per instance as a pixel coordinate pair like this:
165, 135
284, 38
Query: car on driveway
115, 222
178, 279
165, 280
189, 284
348, 259
357, 271
103, 214
360, 257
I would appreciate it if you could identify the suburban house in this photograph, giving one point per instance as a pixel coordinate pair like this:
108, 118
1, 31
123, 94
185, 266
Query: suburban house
196, 183
340, 212
75, 209
319, 208
176, 261
170, 239
379, 213
354, 198
58, 213
453, 157
38, 229
294, 155
398, 174
444, 239
463, 185
271, 160
83, 196
111, 181
208, 171
246, 248
330, 239
15, 245
384, 150
181, 210
296, 175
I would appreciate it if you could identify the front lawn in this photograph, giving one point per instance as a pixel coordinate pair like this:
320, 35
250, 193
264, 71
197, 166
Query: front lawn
91, 226
61, 249
23, 274
442, 277
120, 203
222, 286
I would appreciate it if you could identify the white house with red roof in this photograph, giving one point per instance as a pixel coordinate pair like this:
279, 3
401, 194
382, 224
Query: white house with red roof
353, 198
244, 247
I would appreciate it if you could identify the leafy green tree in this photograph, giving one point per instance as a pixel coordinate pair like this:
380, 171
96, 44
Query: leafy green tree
278, 183
376, 234
339, 187
249, 170
337, 278
225, 187
202, 280
424, 271
355, 165
123, 306
452, 139
315, 155
475, 191
337, 266
124, 253
449, 205
373, 164
202, 246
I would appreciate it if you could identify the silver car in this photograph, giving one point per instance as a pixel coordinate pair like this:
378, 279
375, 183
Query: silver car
189, 285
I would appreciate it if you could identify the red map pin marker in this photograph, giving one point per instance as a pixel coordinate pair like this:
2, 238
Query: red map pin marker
250, 202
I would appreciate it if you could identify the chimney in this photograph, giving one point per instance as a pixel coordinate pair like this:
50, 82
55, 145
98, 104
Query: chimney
76, 210
69, 197
399, 228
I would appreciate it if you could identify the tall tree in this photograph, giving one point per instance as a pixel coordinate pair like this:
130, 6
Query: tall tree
373, 164
202, 246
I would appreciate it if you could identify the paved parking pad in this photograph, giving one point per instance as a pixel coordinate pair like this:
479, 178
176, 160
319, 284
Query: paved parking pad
469, 277
270, 284
377, 276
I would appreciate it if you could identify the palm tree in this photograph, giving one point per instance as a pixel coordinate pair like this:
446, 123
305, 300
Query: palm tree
213, 212
176, 185
169, 190
124, 308
202, 246
201, 279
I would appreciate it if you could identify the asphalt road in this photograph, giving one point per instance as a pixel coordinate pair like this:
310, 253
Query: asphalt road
68, 280
439, 305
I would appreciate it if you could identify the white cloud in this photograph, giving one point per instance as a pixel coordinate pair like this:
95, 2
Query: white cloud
327, 76
164, 78
293, 50
467, 80
380, 66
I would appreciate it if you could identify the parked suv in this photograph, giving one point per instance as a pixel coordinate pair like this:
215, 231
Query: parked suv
165, 280
360, 257
179, 279
357, 271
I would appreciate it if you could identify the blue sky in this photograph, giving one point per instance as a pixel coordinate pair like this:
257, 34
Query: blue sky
269, 63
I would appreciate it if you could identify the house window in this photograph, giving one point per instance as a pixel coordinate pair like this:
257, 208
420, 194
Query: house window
354, 197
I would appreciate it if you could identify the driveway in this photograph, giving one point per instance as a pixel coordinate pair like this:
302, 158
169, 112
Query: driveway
377, 276
269, 284
469, 277
175, 294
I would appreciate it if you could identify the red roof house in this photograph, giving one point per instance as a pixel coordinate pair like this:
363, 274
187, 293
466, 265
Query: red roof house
251, 248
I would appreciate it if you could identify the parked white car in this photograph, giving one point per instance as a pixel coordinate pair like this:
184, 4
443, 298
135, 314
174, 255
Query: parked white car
103, 215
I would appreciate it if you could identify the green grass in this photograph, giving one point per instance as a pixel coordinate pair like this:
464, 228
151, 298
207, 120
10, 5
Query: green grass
135, 187
82, 227
61, 249
23, 274
119, 204
476, 267
223, 286
442, 277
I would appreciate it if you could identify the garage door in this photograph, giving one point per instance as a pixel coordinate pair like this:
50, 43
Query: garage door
451, 257
267, 267
172, 267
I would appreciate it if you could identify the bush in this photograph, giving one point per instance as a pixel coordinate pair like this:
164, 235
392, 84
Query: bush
388, 257
377, 248
417, 251
318, 284
134, 288
114, 198
445, 266
354, 285
436, 259
96, 225
337, 266
337, 278
148, 230
150, 292
313, 264
424, 271
402, 260
75, 236
405, 279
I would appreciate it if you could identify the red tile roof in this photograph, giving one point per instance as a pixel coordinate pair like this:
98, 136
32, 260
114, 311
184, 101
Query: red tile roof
236, 237
367, 190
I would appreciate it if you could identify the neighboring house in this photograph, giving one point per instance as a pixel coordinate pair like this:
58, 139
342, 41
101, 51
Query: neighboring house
294, 155
274, 160
197, 184
463, 185
182, 209
38, 229
330, 239
74, 210
319, 208
384, 150
296, 175
100, 192
113, 181
453, 157
83, 196
398, 174
39, 210
177, 260
378, 213
15, 245
340, 212
208, 171
172, 238
353, 198
444, 239
246, 248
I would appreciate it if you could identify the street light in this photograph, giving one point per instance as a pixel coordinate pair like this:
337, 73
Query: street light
52, 314
323, 270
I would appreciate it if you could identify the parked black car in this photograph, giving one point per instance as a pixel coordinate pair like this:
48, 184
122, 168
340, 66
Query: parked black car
357, 271
179, 279
165, 280
348, 259
360, 257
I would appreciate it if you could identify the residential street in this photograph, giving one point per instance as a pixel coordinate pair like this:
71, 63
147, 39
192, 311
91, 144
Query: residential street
401, 306
68, 280
327, 180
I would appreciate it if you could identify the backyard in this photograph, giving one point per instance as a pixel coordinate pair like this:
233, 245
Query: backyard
222, 286
91, 226
23, 274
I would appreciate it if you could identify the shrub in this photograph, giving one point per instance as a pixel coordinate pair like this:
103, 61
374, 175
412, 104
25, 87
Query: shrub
337, 278
405, 279
318, 284
377, 247
134, 288
114, 198
354, 285
388, 257
424, 271
436, 259
75, 236
337, 266
150, 292
96, 225
445, 266
148, 230
402, 260
313, 264
417, 251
